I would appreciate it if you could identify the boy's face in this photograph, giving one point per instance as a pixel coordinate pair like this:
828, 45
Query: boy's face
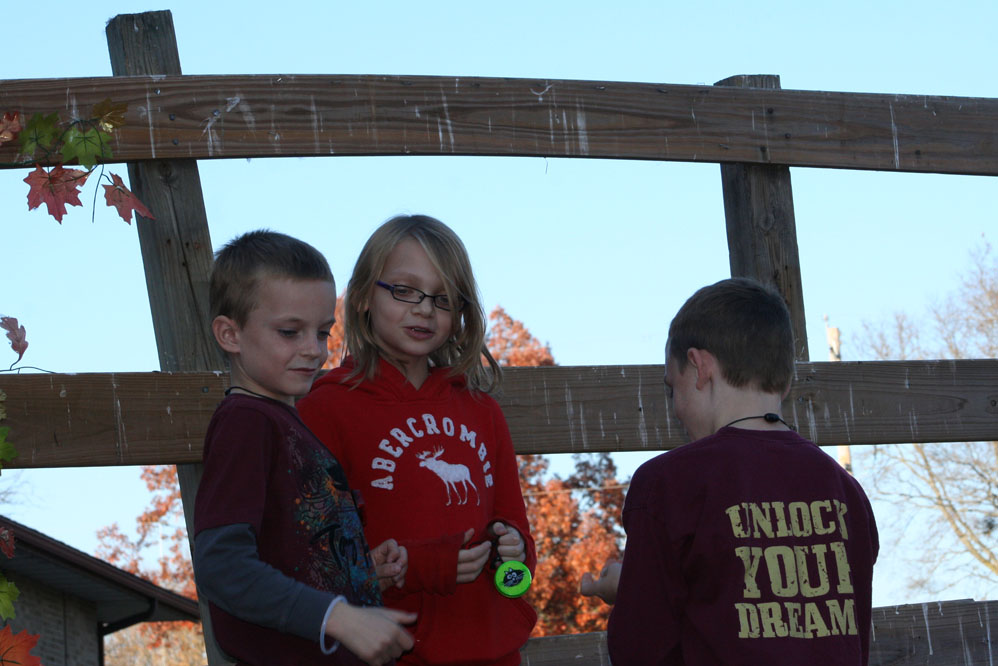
681, 390
282, 345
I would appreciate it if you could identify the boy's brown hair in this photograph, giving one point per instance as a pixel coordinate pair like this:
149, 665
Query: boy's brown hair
745, 325
243, 261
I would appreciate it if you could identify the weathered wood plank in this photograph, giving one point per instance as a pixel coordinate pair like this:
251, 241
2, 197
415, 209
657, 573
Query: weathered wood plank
760, 224
176, 247
577, 649
946, 633
146, 418
199, 117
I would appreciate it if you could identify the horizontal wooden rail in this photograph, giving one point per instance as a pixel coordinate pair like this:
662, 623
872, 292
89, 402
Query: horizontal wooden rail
946, 633
153, 418
200, 117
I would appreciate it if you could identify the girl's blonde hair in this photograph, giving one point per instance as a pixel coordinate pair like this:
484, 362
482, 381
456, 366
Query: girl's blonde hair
465, 350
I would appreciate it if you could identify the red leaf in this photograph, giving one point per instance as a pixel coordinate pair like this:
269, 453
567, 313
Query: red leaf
55, 188
15, 649
10, 126
117, 195
16, 334
7, 541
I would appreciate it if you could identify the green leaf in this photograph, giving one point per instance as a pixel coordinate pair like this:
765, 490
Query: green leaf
87, 145
8, 595
7, 450
40, 132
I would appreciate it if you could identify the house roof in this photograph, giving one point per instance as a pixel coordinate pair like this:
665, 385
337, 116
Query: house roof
121, 598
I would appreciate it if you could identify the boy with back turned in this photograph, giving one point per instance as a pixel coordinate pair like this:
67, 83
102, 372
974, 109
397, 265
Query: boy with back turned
749, 545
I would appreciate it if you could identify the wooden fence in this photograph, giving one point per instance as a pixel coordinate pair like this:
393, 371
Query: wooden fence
755, 130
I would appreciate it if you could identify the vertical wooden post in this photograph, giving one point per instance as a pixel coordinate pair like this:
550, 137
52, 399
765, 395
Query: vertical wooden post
762, 234
176, 247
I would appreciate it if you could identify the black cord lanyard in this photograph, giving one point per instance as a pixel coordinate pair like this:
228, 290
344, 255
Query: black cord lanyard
769, 417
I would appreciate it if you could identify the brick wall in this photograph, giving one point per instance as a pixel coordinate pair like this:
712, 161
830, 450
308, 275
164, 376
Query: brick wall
67, 625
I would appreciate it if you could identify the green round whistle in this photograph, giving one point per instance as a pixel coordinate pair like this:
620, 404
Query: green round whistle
512, 579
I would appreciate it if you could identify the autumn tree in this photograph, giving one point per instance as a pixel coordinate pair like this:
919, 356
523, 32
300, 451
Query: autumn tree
952, 486
161, 524
574, 521
336, 342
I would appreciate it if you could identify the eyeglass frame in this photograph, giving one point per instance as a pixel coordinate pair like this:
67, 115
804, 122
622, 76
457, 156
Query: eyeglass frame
422, 296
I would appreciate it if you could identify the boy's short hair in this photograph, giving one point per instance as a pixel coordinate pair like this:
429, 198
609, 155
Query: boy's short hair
745, 325
241, 262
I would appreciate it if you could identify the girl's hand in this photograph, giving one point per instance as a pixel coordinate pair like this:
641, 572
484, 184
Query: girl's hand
471, 561
390, 562
511, 545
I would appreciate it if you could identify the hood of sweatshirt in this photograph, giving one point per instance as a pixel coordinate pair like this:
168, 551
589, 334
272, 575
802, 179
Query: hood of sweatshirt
391, 384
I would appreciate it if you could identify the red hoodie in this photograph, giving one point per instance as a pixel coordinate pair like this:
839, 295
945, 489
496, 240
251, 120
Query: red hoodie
430, 463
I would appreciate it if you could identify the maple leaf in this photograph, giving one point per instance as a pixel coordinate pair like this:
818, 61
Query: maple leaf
10, 126
7, 541
15, 648
123, 200
86, 145
16, 334
40, 132
108, 115
55, 188
8, 595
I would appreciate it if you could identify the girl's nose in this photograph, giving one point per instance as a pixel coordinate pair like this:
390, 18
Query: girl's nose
424, 307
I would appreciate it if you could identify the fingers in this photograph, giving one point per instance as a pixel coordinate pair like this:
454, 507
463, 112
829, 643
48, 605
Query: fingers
399, 616
467, 535
587, 587
511, 545
471, 561
385, 551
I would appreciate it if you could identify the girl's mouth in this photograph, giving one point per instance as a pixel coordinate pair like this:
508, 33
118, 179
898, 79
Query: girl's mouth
420, 332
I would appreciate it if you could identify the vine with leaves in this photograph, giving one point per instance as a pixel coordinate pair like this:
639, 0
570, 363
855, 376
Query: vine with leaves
47, 139
14, 648
85, 141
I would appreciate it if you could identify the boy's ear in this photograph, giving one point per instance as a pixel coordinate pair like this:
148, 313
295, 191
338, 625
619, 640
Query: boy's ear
703, 363
226, 333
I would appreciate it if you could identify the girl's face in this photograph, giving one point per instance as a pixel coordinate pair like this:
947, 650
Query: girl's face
410, 332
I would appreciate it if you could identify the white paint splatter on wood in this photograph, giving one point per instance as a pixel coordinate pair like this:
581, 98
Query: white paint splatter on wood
894, 136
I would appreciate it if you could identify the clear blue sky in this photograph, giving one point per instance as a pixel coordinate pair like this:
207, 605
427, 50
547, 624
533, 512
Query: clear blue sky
595, 256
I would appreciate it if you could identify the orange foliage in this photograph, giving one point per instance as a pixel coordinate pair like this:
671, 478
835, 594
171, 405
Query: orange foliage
161, 524
16, 648
336, 342
511, 344
575, 521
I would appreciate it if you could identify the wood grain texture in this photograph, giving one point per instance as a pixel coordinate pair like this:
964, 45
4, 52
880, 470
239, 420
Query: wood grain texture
760, 225
946, 633
176, 246
155, 418
282, 115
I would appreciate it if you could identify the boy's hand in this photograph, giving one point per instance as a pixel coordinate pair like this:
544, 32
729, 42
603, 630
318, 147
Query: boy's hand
605, 587
374, 634
510, 542
390, 562
471, 561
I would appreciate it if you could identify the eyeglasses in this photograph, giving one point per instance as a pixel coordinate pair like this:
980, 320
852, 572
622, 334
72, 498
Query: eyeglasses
406, 294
